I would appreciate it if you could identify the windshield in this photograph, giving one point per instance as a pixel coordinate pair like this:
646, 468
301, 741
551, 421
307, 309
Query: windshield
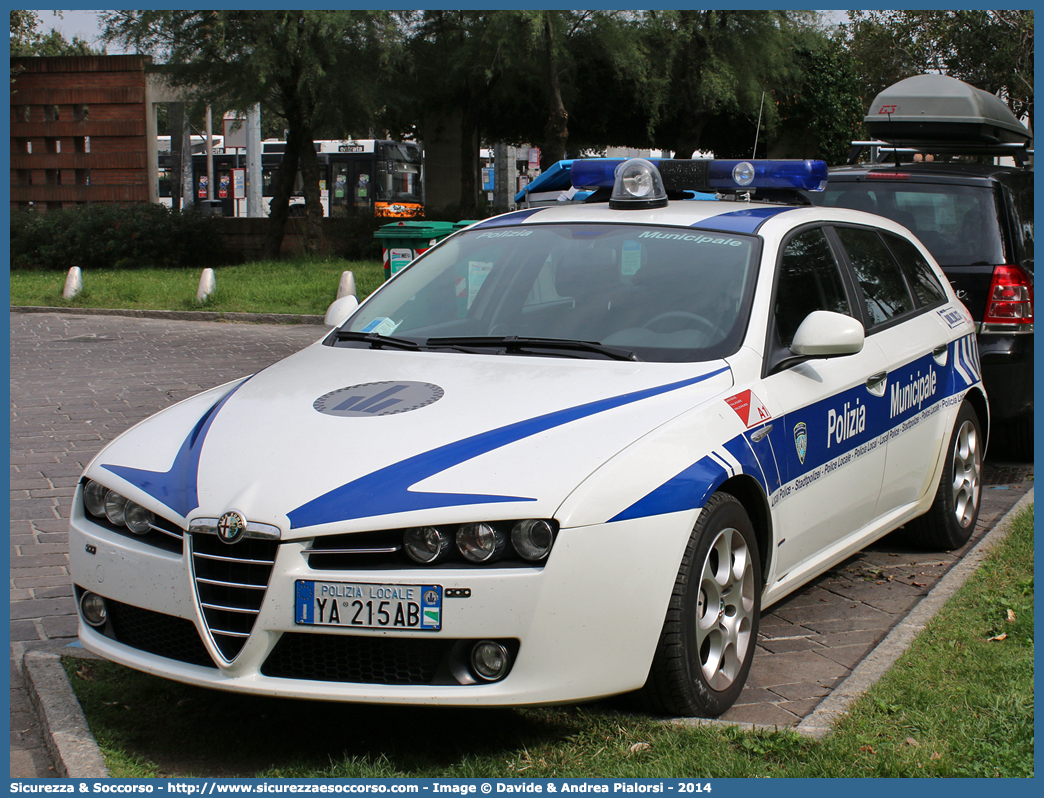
659, 293
958, 224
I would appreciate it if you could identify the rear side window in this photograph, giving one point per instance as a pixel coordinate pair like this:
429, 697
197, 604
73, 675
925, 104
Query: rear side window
925, 284
959, 225
880, 278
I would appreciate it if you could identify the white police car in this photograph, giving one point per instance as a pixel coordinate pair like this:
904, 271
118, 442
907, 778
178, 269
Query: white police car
570, 452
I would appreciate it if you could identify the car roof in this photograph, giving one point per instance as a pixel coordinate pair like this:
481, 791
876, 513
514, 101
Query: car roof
745, 218
927, 171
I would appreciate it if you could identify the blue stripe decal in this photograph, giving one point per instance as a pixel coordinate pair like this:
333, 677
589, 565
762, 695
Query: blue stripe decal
387, 490
745, 221
176, 487
739, 448
685, 491
508, 218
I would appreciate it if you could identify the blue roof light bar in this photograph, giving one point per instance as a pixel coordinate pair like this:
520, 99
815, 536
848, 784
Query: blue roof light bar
718, 175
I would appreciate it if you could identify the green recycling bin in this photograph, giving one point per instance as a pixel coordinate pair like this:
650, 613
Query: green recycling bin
404, 241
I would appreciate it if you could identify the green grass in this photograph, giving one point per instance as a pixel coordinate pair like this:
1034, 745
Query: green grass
301, 286
957, 704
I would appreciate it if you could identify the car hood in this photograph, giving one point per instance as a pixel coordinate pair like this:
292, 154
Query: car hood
339, 439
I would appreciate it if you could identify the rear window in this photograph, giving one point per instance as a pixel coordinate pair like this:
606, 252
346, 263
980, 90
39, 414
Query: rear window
958, 224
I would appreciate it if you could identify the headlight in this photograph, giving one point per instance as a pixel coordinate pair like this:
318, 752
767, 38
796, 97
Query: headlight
426, 545
481, 542
115, 508
532, 539
94, 498
106, 503
138, 519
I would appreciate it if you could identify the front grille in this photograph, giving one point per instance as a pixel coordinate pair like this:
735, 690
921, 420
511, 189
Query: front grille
156, 633
359, 660
231, 581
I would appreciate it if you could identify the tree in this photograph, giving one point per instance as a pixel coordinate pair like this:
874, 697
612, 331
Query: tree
26, 40
315, 69
721, 64
991, 50
455, 62
825, 113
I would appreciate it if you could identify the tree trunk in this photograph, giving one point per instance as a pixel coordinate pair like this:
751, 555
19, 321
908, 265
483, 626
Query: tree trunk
468, 162
309, 165
279, 209
556, 131
685, 144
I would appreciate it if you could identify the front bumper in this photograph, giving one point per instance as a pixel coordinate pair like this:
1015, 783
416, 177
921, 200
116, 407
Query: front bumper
583, 626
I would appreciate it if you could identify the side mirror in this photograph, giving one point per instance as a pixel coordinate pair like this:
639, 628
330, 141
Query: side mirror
824, 333
340, 310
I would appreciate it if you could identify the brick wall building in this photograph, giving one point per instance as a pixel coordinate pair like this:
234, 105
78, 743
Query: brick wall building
82, 130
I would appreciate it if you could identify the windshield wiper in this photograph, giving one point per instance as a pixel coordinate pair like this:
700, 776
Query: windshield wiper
376, 341
515, 344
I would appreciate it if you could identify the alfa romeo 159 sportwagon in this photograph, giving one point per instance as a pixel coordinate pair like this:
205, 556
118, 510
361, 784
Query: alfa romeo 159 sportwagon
569, 452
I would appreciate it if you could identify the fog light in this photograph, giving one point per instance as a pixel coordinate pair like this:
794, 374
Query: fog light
489, 660
93, 609
532, 539
481, 542
115, 508
138, 519
426, 545
94, 497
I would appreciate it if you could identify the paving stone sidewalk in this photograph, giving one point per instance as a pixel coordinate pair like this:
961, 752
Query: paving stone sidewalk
77, 381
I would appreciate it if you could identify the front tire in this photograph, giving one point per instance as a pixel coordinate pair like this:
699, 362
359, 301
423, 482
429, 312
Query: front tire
710, 632
951, 520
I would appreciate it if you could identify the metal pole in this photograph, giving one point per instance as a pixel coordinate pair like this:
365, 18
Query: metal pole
188, 192
253, 156
210, 156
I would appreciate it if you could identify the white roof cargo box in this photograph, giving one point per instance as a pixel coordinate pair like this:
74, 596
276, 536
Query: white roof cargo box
928, 110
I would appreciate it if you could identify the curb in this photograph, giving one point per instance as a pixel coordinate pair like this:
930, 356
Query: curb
65, 731
182, 315
879, 661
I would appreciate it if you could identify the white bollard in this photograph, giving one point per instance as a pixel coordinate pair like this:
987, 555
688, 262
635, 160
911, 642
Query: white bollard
73, 283
206, 285
347, 286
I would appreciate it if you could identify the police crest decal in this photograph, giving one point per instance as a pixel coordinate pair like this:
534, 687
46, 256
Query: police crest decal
801, 440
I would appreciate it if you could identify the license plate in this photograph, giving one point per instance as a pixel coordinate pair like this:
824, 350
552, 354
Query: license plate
369, 606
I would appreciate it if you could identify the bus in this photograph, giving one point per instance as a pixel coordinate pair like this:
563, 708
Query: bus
356, 177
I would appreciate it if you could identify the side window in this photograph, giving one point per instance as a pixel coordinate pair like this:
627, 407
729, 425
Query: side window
809, 279
925, 284
884, 288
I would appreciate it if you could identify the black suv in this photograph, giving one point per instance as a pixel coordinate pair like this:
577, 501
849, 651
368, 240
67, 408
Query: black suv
975, 219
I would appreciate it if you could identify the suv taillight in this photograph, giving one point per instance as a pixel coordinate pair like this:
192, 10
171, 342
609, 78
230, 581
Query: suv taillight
1010, 299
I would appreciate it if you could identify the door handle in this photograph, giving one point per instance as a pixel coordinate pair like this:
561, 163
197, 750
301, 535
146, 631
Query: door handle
940, 353
877, 383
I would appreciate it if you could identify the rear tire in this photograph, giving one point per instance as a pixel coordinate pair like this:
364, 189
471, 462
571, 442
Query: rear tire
951, 520
711, 629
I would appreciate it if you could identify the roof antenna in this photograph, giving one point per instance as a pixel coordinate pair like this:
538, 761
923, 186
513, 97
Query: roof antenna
757, 134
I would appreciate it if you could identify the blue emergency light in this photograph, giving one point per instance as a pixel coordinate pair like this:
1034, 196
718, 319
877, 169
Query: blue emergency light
634, 183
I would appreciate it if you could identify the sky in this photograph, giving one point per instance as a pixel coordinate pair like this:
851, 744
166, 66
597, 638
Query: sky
84, 24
